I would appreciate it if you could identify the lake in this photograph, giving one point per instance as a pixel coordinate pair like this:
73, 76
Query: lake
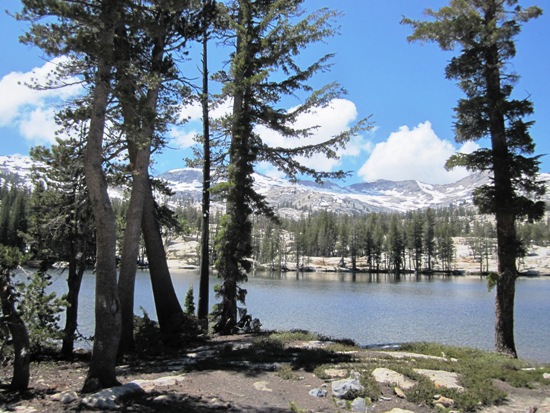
370, 309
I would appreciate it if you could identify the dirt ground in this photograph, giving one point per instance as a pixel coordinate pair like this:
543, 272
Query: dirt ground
213, 376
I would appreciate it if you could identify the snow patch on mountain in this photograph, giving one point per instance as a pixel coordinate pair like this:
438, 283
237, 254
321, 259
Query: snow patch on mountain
294, 199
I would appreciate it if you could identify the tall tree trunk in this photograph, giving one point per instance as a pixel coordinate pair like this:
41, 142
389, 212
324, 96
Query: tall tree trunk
205, 224
169, 310
236, 245
101, 373
140, 154
507, 243
140, 116
77, 267
20, 336
506, 286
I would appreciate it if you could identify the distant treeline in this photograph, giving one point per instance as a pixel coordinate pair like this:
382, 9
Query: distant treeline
418, 241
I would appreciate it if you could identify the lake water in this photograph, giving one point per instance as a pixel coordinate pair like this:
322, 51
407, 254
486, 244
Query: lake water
371, 309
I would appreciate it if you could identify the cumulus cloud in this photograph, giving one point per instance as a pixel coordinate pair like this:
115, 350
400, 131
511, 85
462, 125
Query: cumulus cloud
182, 138
417, 154
329, 121
30, 110
39, 126
193, 111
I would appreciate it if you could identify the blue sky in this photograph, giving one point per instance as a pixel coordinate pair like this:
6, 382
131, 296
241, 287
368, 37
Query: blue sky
400, 85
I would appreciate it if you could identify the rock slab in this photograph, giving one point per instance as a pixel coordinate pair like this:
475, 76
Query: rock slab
387, 376
442, 378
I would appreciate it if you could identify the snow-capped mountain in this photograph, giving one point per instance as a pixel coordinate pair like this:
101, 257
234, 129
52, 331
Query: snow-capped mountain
292, 199
17, 165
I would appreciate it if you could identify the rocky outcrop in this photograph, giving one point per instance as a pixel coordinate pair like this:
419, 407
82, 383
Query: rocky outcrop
387, 376
107, 399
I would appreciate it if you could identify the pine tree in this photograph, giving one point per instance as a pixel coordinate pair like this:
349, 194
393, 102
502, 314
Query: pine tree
84, 32
61, 226
268, 35
484, 32
429, 238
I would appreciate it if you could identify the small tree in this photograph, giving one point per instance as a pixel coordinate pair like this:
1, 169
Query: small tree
190, 302
9, 260
41, 311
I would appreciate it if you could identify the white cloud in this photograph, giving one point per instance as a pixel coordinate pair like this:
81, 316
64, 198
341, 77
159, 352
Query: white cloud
28, 109
330, 121
193, 111
417, 154
39, 126
190, 112
183, 138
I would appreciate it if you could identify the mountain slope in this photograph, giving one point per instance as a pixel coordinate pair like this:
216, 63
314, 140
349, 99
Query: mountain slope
293, 199
379, 196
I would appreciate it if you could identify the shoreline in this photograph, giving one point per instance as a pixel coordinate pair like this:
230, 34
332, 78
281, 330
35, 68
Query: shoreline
182, 265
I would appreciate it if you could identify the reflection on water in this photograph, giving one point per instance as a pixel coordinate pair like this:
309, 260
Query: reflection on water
371, 308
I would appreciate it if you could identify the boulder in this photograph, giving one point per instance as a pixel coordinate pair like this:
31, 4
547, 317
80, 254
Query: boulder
399, 393
336, 373
106, 399
262, 386
318, 392
65, 397
359, 405
347, 388
443, 402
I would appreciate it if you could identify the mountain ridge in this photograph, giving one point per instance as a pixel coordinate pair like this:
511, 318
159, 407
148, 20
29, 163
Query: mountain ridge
293, 199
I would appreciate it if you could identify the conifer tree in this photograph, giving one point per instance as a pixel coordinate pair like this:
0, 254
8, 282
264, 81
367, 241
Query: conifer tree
484, 32
268, 36
84, 32
428, 238
61, 226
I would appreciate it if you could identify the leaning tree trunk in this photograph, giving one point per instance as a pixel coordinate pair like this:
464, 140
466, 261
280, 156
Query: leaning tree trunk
20, 336
130, 246
169, 310
142, 126
101, 373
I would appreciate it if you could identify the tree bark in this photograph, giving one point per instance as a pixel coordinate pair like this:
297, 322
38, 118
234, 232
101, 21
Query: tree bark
507, 244
101, 373
169, 310
202, 311
141, 117
236, 246
20, 336
77, 267
130, 246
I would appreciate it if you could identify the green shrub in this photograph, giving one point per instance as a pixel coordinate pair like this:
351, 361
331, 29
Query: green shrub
147, 335
190, 301
41, 311
286, 372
